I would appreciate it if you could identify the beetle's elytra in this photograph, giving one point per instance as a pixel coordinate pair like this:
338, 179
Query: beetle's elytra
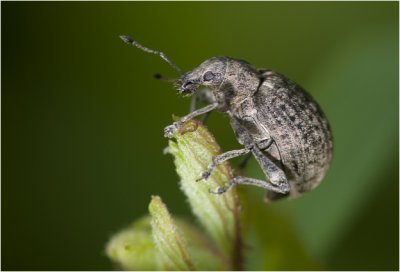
272, 117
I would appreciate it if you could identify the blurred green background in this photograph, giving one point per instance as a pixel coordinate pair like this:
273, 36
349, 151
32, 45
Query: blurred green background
82, 121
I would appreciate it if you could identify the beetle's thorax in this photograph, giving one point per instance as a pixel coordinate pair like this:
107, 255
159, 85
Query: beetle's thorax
240, 83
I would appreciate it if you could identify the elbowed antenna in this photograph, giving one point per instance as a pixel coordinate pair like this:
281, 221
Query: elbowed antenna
161, 77
129, 40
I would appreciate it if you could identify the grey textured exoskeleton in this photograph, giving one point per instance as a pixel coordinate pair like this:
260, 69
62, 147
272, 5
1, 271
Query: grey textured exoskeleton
272, 117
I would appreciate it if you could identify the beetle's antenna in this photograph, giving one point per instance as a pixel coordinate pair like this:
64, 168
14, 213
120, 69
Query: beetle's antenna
164, 78
129, 40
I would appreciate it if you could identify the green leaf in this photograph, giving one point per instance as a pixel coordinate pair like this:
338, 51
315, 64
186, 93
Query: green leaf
133, 247
194, 148
203, 252
171, 243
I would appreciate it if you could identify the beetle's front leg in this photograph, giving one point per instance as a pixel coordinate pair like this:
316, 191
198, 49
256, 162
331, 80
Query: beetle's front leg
170, 130
204, 95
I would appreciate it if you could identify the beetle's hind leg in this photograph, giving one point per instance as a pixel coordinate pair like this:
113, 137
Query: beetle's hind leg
271, 196
279, 188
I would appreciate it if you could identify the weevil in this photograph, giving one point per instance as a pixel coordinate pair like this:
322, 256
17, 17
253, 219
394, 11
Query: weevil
274, 119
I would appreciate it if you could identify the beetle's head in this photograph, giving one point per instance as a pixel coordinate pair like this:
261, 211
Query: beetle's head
210, 73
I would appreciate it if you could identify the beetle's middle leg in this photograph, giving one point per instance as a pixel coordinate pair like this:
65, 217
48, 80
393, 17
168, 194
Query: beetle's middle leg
263, 145
276, 182
222, 158
276, 177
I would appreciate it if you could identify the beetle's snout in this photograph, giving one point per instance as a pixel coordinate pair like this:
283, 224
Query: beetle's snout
187, 87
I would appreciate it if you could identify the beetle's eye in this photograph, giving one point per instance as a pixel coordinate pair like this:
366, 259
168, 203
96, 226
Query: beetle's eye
208, 76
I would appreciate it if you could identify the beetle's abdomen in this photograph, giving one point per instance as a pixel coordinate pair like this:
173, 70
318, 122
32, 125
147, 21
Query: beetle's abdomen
299, 128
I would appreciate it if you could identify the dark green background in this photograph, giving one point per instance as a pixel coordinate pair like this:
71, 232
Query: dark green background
82, 120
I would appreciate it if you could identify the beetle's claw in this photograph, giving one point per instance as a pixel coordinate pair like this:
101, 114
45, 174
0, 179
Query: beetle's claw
170, 130
204, 175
